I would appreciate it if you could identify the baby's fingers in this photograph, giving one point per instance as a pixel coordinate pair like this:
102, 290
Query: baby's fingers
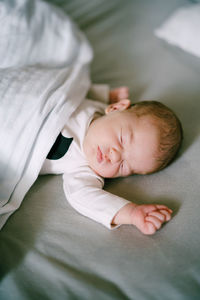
157, 214
148, 228
164, 210
155, 221
163, 215
163, 207
167, 214
123, 91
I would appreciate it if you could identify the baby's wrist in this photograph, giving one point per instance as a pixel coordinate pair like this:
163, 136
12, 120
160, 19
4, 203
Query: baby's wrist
125, 215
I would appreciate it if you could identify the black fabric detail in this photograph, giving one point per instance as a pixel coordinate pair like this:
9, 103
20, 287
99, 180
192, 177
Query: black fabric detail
60, 147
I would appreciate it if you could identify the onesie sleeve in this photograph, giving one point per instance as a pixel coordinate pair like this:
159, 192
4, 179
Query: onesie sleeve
84, 191
99, 92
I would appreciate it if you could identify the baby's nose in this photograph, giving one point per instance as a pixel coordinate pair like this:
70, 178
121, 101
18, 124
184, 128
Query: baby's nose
114, 155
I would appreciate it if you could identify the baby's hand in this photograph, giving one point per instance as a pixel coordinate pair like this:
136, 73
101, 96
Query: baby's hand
148, 218
118, 94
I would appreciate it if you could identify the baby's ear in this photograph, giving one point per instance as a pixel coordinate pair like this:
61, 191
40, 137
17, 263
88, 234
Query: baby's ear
121, 105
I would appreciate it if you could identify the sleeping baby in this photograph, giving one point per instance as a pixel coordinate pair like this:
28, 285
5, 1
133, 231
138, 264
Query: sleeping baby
115, 140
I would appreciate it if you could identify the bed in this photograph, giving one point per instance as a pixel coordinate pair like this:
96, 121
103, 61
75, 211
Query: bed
47, 249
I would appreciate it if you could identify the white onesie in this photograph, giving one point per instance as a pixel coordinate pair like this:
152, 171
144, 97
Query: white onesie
82, 186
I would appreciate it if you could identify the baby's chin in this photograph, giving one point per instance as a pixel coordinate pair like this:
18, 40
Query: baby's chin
103, 173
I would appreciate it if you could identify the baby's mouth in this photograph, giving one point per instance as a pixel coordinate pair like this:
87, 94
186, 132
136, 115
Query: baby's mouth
99, 155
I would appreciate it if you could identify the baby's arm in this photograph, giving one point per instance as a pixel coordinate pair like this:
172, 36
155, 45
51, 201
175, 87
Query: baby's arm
84, 192
148, 218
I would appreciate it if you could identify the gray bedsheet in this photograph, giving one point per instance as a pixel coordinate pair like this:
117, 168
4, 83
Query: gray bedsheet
48, 250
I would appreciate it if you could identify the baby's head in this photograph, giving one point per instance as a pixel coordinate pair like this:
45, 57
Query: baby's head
138, 139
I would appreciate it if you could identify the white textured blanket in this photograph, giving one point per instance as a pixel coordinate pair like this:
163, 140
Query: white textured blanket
43, 78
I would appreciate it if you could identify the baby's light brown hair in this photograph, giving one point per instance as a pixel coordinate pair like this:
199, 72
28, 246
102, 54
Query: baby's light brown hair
171, 132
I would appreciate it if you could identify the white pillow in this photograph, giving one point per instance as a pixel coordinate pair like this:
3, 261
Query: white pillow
182, 29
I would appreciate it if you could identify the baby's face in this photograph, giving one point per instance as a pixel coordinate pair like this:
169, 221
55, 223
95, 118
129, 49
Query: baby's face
120, 144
